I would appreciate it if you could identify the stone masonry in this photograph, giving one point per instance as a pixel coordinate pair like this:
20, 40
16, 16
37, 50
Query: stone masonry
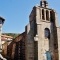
43, 33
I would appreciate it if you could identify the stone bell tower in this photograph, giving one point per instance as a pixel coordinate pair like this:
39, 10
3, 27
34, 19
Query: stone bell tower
42, 32
46, 32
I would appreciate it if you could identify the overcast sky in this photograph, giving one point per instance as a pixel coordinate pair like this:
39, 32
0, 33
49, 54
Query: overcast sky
16, 13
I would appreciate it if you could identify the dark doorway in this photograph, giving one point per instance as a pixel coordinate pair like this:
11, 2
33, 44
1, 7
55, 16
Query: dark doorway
48, 55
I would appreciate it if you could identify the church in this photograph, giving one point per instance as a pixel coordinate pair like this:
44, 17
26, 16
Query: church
43, 34
41, 39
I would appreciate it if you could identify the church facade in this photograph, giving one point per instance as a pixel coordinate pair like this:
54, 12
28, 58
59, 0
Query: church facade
43, 34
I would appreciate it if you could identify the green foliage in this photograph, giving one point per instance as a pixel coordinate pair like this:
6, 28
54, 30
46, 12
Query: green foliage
11, 34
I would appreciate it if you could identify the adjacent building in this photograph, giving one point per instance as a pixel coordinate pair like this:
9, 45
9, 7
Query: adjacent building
16, 49
5, 40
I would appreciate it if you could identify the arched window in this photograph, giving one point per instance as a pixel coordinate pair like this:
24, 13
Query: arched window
47, 33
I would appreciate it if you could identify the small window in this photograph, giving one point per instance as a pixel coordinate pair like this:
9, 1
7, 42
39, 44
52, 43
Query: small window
47, 33
52, 16
47, 15
43, 14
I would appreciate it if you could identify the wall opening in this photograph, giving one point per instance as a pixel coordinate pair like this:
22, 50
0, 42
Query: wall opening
47, 15
43, 14
48, 55
47, 33
52, 16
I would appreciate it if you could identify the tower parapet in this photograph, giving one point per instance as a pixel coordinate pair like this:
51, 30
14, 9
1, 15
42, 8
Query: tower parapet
44, 3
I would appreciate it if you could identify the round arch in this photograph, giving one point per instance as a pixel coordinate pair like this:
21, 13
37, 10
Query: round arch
47, 33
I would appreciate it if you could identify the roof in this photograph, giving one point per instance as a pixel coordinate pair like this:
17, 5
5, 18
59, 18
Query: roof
6, 37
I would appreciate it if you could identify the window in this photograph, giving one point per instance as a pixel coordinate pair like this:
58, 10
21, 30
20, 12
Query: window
52, 16
47, 15
47, 33
43, 14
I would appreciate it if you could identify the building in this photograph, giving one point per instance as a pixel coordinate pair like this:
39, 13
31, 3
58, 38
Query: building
16, 49
6, 40
43, 34
41, 39
1, 24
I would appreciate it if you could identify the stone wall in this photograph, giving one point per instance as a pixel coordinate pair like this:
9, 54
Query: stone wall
58, 34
